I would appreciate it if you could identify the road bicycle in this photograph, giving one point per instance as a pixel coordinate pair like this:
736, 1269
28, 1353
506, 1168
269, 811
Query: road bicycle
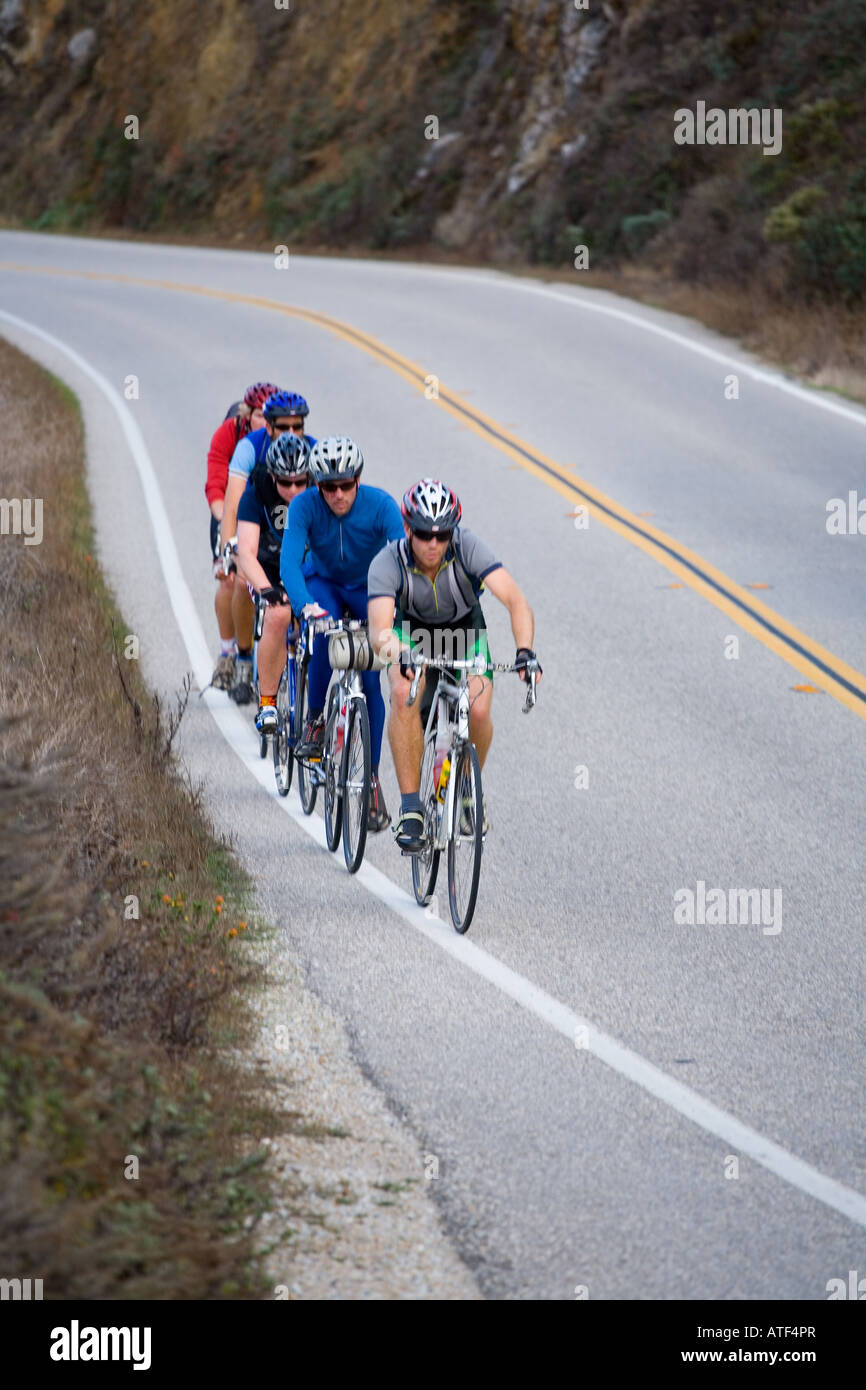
284, 737
450, 790
346, 759
344, 768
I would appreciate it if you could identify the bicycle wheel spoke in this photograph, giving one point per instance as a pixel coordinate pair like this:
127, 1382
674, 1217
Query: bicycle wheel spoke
356, 784
425, 865
465, 845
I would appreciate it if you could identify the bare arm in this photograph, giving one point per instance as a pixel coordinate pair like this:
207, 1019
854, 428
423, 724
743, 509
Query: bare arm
503, 587
248, 547
234, 493
380, 617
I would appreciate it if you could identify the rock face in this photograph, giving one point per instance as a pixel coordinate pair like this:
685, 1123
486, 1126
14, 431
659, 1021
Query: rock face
81, 45
13, 23
552, 125
546, 49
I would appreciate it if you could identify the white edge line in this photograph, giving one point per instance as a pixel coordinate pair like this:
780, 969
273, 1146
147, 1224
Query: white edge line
235, 730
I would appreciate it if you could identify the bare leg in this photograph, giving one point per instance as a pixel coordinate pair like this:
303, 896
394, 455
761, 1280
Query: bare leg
272, 648
223, 608
405, 734
244, 613
480, 722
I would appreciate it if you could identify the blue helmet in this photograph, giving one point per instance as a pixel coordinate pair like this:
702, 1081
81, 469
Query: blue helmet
285, 403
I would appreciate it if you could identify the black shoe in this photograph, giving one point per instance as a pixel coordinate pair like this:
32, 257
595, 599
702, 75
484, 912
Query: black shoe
311, 745
242, 689
377, 814
409, 832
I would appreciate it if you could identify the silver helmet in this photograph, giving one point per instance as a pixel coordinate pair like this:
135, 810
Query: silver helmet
335, 458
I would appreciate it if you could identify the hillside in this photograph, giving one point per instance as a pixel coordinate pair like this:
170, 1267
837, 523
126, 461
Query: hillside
555, 128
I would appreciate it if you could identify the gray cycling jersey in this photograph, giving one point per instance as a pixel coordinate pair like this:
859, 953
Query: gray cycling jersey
450, 596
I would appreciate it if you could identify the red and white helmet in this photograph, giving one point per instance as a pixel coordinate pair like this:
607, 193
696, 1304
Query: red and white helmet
431, 506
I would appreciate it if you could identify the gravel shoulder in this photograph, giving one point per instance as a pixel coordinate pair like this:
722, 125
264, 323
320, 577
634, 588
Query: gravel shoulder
354, 1214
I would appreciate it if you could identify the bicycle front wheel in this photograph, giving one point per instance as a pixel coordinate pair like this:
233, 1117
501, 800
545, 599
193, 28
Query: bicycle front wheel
425, 866
284, 756
331, 766
355, 777
307, 785
466, 842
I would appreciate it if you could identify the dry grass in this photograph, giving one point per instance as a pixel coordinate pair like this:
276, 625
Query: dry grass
109, 1022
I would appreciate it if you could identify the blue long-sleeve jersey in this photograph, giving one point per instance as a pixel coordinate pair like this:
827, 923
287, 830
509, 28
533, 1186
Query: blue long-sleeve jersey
341, 548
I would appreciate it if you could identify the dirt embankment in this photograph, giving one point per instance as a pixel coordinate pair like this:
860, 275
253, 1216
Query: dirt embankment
179, 1117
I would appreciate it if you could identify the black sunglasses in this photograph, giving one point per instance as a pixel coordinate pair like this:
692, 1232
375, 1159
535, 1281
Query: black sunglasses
294, 480
432, 535
338, 487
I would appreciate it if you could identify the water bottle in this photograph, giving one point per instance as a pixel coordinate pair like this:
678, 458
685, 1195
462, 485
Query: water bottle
341, 729
441, 775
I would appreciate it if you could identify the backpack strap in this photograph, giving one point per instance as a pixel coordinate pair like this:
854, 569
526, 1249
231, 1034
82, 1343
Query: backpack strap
406, 592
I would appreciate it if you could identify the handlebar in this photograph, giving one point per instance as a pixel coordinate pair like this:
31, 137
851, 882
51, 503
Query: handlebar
311, 627
476, 663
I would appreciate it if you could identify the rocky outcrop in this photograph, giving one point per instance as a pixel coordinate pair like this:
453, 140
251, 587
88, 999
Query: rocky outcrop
503, 129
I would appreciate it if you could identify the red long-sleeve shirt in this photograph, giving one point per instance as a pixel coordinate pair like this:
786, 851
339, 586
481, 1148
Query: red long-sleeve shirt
222, 446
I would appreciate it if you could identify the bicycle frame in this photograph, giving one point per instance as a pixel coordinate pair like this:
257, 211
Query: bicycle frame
349, 685
451, 693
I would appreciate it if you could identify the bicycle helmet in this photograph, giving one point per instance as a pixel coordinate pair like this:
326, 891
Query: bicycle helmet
285, 403
289, 456
431, 506
256, 395
336, 457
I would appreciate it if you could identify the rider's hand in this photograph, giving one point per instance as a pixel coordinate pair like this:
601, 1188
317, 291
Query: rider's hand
274, 595
407, 670
230, 550
314, 612
524, 656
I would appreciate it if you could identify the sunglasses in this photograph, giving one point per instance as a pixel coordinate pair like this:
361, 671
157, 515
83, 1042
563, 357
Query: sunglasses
301, 482
431, 535
338, 487
298, 427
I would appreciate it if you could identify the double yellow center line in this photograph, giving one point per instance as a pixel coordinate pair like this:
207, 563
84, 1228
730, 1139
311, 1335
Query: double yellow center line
820, 666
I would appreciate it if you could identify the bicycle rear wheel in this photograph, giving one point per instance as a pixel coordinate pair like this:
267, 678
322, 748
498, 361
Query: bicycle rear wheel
425, 866
466, 843
307, 784
355, 777
284, 755
332, 766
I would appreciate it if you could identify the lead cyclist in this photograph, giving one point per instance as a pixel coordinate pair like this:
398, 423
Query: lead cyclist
425, 591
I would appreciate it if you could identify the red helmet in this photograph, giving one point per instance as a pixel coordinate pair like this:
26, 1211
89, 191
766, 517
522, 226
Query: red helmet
256, 395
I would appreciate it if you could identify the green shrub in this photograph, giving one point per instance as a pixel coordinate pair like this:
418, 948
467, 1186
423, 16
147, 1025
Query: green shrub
785, 222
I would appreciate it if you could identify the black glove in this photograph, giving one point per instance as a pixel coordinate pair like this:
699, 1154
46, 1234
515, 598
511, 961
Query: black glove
524, 656
407, 670
275, 594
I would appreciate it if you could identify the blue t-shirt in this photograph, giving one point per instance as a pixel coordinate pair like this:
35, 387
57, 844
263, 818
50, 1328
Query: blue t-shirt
341, 548
251, 450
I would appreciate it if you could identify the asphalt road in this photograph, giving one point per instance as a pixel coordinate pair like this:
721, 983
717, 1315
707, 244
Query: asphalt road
562, 1167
